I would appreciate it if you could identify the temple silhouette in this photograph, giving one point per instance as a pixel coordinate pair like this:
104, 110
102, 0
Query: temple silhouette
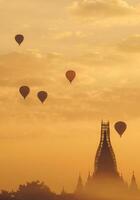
106, 182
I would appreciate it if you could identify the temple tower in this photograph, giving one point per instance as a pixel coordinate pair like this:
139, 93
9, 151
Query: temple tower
105, 161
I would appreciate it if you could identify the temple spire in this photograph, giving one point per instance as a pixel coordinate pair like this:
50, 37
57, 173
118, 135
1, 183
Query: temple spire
105, 161
89, 176
133, 184
63, 191
79, 187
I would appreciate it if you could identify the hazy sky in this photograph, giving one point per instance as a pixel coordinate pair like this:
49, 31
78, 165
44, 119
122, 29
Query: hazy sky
100, 40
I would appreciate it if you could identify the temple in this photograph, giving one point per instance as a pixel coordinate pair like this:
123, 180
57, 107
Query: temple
105, 182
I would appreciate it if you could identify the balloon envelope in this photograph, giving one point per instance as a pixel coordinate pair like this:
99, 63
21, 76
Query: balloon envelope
24, 91
19, 38
120, 127
70, 75
42, 95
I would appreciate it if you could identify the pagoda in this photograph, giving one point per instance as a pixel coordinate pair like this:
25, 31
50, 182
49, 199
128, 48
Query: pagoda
105, 181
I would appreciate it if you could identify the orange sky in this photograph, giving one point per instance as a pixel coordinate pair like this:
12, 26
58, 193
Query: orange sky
53, 142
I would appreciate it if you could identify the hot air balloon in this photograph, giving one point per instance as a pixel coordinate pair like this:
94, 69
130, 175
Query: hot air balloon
24, 91
70, 75
42, 95
19, 38
120, 127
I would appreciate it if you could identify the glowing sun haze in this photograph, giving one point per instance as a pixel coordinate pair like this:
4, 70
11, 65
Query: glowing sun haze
53, 142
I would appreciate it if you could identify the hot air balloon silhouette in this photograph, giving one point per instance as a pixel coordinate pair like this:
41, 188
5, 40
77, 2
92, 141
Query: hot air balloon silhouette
70, 75
24, 91
120, 127
42, 95
19, 38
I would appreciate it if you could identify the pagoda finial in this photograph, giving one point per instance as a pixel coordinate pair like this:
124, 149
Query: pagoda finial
89, 176
133, 176
133, 184
121, 176
79, 187
63, 191
80, 179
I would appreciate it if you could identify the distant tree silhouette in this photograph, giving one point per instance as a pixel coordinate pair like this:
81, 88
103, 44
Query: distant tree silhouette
34, 191
5, 195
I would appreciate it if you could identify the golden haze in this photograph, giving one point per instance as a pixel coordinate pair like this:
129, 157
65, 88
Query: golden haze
55, 141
